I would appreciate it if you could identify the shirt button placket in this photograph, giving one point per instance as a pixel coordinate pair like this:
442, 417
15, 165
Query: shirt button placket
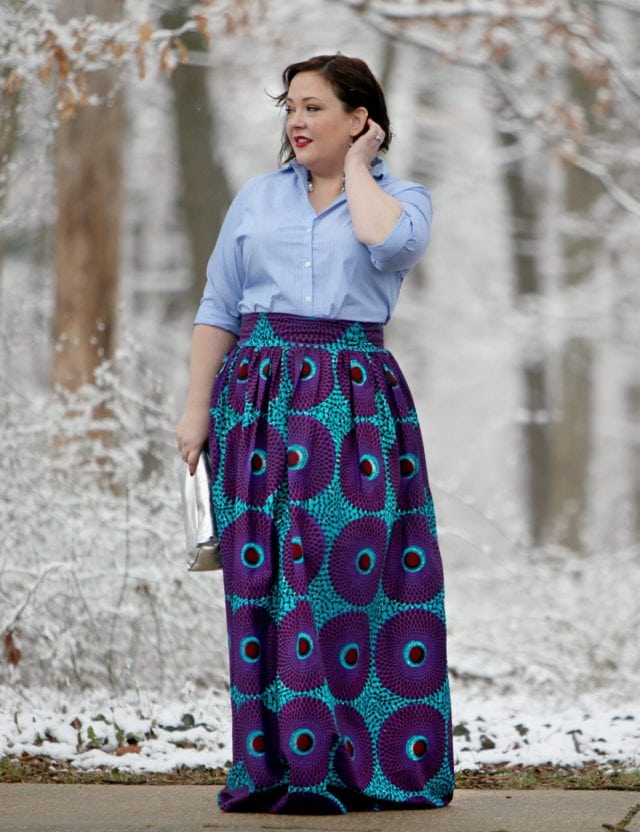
307, 297
307, 265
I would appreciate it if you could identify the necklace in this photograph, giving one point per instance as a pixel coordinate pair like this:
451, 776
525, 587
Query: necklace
310, 183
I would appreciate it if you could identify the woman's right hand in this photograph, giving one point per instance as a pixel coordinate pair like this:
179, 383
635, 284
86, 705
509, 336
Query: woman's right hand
192, 433
209, 345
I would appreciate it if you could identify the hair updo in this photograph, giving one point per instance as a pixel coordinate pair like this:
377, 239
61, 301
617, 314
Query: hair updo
352, 82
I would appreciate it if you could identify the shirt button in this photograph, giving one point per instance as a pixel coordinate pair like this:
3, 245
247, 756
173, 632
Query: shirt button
308, 230
308, 298
307, 263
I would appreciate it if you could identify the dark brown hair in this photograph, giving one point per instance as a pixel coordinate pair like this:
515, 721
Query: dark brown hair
353, 83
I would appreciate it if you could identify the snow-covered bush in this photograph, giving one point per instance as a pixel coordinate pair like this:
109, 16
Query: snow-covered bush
93, 587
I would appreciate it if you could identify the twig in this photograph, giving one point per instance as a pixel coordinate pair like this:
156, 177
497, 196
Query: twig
463, 8
13, 618
600, 172
626, 5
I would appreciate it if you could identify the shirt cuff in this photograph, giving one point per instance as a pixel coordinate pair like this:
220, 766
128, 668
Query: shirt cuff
215, 317
399, 239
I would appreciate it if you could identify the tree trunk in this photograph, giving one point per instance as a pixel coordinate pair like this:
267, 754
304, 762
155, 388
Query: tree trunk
633, 408
8, 134
525, 210
205, 191
89, 201
571, 439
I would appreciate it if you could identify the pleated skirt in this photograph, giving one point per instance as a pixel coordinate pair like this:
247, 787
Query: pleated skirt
332, 574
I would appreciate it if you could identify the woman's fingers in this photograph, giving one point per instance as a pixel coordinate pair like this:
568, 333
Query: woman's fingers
192, 433
192, 460
376, 132
367, 146
190, 454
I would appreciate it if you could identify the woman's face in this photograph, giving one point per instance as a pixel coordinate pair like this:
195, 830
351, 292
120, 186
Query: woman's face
318, 126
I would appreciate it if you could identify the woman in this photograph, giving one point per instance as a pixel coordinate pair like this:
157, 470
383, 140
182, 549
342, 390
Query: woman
332, 573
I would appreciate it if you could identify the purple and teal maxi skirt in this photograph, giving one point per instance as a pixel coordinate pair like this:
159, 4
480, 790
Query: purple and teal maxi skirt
332, 574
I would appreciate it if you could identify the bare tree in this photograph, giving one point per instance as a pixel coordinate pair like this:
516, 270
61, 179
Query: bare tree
548, 34
571, 433
205, 190
89, 200
8, 129
8, 134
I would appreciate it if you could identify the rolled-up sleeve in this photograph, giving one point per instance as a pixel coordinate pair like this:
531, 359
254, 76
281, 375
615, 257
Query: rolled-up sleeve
408, 239
225, 274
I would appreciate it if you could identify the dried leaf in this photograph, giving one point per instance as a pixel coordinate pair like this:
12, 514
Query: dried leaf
67, 103
499, 52
128, 749
203, 27
45, 71
12, 82
183, 52
82, 84
597, 73
48, 40
140, 61
165, 61
62, 58
145, 31
117, 49
11, 652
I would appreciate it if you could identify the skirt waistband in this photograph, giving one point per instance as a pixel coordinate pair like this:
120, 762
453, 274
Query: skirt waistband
283, 329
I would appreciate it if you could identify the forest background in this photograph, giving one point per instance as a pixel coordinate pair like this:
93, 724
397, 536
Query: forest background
125, 129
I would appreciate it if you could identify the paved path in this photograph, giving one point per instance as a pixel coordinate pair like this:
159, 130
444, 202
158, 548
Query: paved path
26, 807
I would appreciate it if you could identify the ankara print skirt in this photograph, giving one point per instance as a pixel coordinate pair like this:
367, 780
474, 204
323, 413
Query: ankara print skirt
332, 574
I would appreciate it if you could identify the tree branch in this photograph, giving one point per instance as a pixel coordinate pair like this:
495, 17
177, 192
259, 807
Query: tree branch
600, 172
626, 5
437, 46
460, 9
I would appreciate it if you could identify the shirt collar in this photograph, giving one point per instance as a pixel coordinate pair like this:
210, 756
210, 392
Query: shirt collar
379, 169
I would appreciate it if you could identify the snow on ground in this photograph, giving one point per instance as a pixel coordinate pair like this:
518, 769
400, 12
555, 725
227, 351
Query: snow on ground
194, 731
513, 730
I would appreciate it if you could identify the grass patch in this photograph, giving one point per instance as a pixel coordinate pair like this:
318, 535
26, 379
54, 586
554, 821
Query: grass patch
590, 776
28, 769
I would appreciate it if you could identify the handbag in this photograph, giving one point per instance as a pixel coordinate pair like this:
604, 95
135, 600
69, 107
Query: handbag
203, 544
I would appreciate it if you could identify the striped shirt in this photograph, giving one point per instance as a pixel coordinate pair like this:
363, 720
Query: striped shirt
275, 254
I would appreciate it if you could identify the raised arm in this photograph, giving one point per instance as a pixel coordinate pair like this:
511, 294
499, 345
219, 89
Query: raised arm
373, 212
395, 229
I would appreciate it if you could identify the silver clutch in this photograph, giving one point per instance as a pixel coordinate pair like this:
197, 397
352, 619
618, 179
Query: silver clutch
203, 545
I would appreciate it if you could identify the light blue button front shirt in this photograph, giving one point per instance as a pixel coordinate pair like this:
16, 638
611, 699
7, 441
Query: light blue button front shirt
275, 254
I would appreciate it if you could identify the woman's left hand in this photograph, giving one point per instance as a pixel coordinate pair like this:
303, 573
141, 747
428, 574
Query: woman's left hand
366, 148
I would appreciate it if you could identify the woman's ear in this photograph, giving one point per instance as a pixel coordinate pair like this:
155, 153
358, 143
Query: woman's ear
359, 119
